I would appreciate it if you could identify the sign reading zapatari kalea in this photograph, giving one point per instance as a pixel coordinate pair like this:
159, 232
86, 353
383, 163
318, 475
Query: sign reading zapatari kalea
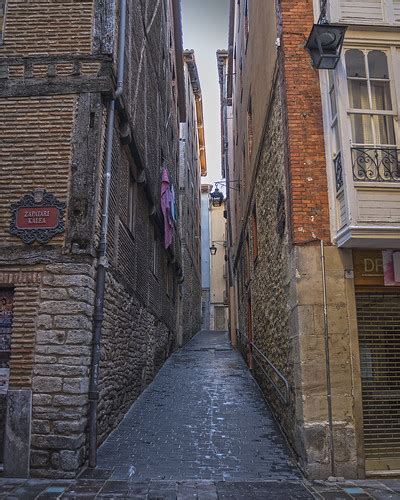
38, 216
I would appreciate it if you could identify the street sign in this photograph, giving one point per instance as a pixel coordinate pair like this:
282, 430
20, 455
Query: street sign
38, 216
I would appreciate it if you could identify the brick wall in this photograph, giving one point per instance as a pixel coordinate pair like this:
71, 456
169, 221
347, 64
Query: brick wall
35, 152
309, 191
47, 27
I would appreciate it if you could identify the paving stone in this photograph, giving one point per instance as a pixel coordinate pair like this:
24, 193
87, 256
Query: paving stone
202, 418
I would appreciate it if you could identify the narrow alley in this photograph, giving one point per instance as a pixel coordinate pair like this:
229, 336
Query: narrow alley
202, 418
203, 431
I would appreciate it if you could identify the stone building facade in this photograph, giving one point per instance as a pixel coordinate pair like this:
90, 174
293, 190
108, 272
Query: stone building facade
218, 269
312, 251
58, 78
193, 165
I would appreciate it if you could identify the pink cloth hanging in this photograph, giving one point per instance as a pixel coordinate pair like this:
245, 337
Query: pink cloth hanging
166, 199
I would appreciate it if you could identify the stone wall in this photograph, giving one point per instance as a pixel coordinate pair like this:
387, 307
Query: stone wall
135, 344
266, 284
191, 298
285, 286
140, 325
61, 369
308, 330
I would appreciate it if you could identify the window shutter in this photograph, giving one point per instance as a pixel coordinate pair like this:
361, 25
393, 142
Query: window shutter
396, 8
362, 11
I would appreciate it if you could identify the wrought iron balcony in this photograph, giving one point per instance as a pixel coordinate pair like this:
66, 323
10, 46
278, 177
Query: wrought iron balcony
338, 172
376, 164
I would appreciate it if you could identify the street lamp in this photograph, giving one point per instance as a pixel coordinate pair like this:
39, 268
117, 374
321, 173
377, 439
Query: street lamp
217, 198
325, 45
325, 41
213, 248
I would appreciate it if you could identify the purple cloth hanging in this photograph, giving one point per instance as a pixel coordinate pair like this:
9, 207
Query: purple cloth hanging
166, 199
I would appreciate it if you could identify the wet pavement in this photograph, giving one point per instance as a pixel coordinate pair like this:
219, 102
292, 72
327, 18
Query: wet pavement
201, 430
202, 418
90, 487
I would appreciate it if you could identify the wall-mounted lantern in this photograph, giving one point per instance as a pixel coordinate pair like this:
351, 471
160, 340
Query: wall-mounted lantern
325, 45
213, 249
216, 197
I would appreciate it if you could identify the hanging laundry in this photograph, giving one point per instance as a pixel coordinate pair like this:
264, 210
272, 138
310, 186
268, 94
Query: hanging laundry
166, 198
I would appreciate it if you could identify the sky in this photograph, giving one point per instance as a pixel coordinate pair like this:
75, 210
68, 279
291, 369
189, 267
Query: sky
205, 29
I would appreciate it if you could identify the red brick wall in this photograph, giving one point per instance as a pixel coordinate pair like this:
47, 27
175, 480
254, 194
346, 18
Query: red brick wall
307, 163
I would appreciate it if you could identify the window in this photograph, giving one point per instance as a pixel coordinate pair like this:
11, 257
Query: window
246, 22
2, 19
132, 193
372, 114
335, 141
249, 128
371, 107
368, 12
254, 233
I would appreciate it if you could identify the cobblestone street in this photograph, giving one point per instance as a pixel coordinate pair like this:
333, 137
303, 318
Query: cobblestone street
201, 431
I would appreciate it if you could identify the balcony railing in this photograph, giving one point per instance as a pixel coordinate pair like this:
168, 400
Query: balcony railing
376, 164
338, 172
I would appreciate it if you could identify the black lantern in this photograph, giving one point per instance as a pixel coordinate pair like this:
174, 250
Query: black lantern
325, 45
213, 249
217, 198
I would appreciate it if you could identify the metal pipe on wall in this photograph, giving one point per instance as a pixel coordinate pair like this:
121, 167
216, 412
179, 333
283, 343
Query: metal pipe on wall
327, 361
102, 249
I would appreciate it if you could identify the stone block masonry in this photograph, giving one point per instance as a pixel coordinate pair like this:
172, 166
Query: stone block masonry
60, 375
134, 347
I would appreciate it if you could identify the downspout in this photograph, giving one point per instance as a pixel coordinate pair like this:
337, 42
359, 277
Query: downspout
102, 249
327, 361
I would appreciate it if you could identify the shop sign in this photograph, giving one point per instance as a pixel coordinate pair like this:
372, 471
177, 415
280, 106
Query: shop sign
38, 216
368, 267
376, 267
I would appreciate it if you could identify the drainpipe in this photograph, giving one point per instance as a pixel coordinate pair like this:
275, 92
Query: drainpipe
328, 363
102, 249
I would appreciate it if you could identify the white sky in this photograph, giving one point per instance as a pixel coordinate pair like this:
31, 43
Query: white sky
205, 29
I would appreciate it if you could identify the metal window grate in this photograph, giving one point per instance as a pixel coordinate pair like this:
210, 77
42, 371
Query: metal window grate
379, 338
